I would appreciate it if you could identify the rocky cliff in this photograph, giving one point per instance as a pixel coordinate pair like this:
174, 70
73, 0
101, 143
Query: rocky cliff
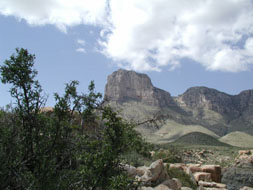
218, 112
123, 86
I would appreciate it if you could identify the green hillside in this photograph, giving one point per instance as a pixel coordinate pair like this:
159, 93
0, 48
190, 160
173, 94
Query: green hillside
197, 138
239, 139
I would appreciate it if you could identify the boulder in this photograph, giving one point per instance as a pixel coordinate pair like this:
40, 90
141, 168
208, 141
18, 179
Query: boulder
237, 177
188, 171
146, 188
246, 188
178, 166
131, 170
202, 176
186, 188
158, 172
214, 170
174, 184
194, 167
141, 170
244, 152
162, 187
154, 174
212, 184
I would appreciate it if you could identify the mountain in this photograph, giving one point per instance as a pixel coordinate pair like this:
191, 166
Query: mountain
199, 109
123, 86
197, 138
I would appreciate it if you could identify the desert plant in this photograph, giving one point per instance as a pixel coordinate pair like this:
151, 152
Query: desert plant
184, 178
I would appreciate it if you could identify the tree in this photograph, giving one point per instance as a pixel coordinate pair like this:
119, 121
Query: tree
79, 145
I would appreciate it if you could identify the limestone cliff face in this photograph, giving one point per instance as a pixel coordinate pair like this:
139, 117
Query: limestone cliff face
208, 98
217, 111
244, 100
123, 86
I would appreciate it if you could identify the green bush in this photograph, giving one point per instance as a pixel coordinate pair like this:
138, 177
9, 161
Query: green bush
79, 145
168, 156
182, 176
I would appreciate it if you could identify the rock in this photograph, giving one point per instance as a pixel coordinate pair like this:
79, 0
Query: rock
245, 158
123, 86
146, 178
194, 168
186, 188
152, 153
158, 172
178, 182
162, 187
236, 177
244, 152
47, 109
203, 97
202, 176
188, 171
154, 174
214, 170
146, 188
178, 166
141, 170
212, 184
174, 184
246, 188
131, 170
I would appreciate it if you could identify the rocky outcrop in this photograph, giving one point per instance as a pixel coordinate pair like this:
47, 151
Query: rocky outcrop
241, 174
123, 86
208, 98
245, 158
217, 111
205, 176
244, 100
154, 177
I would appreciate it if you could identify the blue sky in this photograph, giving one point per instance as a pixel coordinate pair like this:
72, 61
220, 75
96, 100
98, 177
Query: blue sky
178, 44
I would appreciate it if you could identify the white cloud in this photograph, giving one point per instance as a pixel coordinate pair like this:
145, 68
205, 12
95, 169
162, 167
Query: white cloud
148, 35
80, 42
62, 13
81, 50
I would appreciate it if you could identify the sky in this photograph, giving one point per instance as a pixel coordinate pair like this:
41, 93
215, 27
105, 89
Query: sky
179, 44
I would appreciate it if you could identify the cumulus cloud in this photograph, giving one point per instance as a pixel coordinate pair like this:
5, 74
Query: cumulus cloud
81, 50
62, 13
80, 42
149, 35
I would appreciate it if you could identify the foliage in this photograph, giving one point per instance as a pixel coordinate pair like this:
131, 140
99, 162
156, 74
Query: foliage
136, 159
184, 178
79, 145
169, 155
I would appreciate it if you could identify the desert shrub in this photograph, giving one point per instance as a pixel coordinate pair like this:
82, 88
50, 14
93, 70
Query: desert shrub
79, 145
136, 159
168, 156
182, 176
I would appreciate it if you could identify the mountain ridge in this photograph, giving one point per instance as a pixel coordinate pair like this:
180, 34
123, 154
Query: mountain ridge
216, 111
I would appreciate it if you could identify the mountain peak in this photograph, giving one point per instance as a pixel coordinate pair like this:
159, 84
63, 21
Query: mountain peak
123, 86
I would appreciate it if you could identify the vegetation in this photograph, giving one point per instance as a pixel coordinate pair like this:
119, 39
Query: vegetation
239, 139
169, 155
184, 178
78, 145
197, 138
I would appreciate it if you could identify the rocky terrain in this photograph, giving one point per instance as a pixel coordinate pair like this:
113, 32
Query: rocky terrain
196, 173
199, 109
203, 125
123, 86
